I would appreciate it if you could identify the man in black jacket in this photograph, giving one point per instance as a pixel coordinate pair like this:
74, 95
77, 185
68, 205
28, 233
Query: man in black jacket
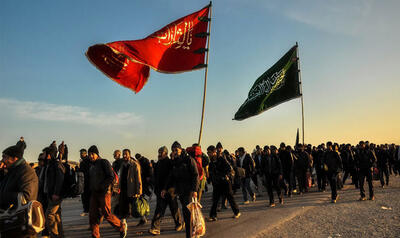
184, 178
53, 185
383, 157
101, 178
84, 167
221, 177
19, 179
271, 168
287, 168
350, 165
247, 163
365, 160
162, 169
333, 162
302, 165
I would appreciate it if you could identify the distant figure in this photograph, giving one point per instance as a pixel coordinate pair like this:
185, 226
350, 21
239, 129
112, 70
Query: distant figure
117, 160
333, 162
365, 162
246, 162
84, 167
271, 168
53, 184
20, 178
22, 145
221, 177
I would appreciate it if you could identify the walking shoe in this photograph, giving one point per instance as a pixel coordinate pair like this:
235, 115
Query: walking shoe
383, 186
362, 199
236, 216
281, 200
272, 204
180, 227
372, 198
246, 202
333, 201
154, 231
83, 214
211, 219
142, 222
124, 232
254, 198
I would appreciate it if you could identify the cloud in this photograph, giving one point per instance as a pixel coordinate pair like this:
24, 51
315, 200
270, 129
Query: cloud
65, 113
348, 17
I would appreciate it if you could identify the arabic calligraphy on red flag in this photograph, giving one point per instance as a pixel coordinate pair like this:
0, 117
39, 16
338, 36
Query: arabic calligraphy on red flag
177, 47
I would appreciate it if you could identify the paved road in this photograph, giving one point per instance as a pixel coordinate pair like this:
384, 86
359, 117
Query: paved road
256, 220
256, 217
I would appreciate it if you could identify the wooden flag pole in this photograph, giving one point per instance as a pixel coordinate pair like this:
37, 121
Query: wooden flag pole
301, 91
205, 77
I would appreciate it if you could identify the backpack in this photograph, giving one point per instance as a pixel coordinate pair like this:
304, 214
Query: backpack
115, 183
26, 217
74, 182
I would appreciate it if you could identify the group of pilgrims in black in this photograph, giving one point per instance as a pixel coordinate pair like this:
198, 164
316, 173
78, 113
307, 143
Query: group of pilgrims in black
109, 190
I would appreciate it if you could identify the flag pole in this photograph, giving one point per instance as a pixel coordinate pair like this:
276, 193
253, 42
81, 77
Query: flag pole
301, 90
205, 77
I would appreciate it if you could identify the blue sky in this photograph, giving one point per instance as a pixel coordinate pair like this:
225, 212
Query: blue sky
49, 91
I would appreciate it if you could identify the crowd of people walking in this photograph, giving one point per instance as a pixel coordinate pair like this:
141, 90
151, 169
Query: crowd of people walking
110, 190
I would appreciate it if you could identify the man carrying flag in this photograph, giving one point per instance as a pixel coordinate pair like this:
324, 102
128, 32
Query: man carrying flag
177, 47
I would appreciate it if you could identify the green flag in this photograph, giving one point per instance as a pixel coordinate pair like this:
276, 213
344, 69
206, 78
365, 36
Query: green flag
278, 84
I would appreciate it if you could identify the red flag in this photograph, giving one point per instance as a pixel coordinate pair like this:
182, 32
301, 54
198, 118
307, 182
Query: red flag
176, 48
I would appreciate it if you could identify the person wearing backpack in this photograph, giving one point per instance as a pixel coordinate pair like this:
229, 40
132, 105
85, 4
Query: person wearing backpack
221, 176
162, 169
184, 179
53, 187
20, 178
101, 178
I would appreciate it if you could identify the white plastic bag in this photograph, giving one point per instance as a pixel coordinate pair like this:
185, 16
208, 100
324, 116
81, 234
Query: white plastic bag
197, 224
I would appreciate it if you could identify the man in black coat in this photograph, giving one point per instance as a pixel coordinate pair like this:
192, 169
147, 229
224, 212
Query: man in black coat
271, 168
101, 178
19, 179
53, 185
247, 163
287, 162
383, 158
84, 167
162, 169
333, 163
365, 160
184, 178
221, 177
302, 165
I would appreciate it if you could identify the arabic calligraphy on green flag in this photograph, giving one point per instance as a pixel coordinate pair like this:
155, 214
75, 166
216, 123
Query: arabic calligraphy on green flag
278, 84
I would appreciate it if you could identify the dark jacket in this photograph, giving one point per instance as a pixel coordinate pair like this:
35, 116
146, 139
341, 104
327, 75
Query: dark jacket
365, 159
84, 167
184, 175
333, 160
286, 161
383, 157
162, 169
248, 165
116, 165
101, 176
302, 162
54, 178
20, 178
219, 171
271, 165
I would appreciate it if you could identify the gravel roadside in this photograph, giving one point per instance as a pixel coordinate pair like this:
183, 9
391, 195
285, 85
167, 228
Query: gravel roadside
348, 217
